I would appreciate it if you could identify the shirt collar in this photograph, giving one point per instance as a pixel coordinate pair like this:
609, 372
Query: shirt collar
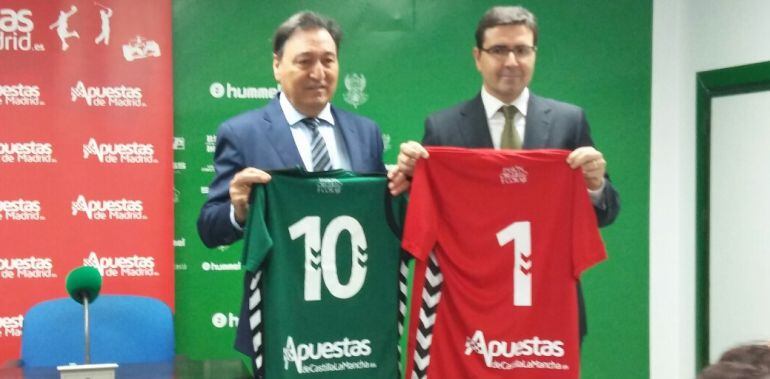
493, 104
293, 116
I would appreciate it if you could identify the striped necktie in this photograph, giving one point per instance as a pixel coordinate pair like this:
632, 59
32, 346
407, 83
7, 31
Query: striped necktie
319, 153
510, 138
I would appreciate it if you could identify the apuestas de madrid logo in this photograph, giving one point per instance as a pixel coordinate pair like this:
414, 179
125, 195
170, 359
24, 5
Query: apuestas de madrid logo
26, 268
122, 209
20, 94
26, 152
344, 348
21, 210
11, 326
493, 349
16, 27
116, 96
132, 153
134, 265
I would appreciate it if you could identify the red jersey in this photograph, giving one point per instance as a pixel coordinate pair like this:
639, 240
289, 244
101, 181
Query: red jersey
501, 238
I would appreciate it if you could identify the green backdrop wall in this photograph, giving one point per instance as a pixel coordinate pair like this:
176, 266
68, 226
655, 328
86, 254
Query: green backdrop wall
415, 56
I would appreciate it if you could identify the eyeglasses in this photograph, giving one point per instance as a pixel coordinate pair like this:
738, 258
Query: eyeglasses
519, 51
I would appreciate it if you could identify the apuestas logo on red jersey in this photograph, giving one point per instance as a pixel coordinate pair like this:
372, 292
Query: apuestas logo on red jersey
108, 96
10, 326
20, 94
16, 27
526, 353
101, 210
20, 210
130, 153
26, 268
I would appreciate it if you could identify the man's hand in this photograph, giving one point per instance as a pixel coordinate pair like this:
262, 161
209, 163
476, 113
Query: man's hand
240, 190
400, 176
592, 162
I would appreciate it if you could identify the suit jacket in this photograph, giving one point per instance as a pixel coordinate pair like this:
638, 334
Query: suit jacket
262, 138
549, 124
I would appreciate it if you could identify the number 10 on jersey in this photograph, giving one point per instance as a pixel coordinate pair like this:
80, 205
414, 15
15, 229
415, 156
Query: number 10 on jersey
321, 255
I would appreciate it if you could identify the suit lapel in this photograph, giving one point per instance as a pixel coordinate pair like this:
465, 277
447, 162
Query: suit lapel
279, 133
538, 123
474, 127
350, 136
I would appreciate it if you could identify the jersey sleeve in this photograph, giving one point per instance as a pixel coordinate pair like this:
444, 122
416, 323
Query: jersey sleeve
257, 238
420, 227
587, 245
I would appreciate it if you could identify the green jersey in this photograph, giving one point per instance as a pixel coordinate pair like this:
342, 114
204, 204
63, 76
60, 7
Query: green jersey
323, 261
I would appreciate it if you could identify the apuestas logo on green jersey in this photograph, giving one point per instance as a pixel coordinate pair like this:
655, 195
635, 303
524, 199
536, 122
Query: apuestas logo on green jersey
344, 348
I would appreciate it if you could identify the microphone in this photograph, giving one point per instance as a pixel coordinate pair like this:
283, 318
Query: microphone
84, 283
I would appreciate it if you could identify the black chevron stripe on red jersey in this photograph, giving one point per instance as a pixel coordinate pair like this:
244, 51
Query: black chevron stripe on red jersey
431, 296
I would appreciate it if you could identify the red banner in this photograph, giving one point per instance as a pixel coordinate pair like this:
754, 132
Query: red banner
86, 123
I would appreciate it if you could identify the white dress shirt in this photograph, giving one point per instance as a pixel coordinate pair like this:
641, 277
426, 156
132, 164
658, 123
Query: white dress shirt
330, 132
335, 143
496, 119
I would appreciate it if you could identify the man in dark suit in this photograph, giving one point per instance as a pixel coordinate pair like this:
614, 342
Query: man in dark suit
287, 132
506, 114
505, 53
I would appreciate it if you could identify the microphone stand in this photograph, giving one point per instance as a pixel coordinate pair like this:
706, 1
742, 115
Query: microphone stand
81, 282
86, 330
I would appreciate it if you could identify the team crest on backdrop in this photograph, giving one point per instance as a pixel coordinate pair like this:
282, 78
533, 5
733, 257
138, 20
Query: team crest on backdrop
355, 85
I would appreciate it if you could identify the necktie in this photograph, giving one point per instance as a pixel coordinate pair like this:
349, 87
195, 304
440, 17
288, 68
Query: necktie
510, 138
319, 153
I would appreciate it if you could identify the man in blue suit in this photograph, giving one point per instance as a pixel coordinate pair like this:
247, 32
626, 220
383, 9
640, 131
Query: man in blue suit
284, 133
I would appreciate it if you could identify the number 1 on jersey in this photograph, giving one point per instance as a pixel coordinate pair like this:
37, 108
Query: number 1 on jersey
321, 255
520, 234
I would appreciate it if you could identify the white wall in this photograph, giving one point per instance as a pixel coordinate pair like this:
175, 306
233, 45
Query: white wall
739, 264
688, 36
